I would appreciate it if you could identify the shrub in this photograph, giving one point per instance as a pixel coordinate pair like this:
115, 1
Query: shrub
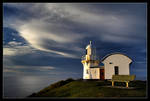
61, 83
32, 95
69, 80
80, 79
58, 84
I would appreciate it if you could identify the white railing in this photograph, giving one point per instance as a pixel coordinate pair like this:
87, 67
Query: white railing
91, 57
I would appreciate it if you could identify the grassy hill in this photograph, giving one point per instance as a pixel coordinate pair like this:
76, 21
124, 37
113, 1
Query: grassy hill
92, 88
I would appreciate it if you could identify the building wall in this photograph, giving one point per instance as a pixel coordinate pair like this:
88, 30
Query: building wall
87, 71
94, 73
85, 68
119, 60
89, 51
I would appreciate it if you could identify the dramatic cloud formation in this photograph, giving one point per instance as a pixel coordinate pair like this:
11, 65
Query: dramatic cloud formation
47, 40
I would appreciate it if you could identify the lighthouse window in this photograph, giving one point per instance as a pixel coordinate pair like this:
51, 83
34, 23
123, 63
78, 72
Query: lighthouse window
87, 72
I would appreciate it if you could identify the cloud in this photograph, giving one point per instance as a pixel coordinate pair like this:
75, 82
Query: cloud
36, 37
58, 25
9, 70
63, 30
8, 51
15, 70
15, 49
141, 62
14, 43
45, 68
119, 38
45, 71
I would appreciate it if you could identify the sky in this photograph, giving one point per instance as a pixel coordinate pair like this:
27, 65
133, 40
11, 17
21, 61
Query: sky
44, 42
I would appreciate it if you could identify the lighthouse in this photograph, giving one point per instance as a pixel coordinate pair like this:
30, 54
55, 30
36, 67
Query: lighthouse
90, 63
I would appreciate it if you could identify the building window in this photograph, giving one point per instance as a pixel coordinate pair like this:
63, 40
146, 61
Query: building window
116, 70
110, 62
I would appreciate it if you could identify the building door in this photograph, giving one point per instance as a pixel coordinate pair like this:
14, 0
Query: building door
102, 74
116, 70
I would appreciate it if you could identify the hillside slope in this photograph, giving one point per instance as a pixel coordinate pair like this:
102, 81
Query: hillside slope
80, 88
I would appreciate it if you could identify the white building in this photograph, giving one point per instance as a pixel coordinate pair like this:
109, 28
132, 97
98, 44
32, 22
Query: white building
114, 64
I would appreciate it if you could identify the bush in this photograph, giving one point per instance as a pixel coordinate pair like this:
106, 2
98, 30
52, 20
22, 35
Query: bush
32, 95
80, 79
58, 84
69, 80
61, 83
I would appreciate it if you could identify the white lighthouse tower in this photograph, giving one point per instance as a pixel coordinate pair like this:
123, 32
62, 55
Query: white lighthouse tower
90, 63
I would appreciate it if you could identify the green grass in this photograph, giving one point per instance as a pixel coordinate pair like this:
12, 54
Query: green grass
78, 88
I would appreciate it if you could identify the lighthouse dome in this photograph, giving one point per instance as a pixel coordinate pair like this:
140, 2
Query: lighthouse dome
90, 46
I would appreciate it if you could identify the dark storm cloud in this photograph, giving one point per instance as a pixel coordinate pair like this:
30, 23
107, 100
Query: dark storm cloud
125, 33
70, 27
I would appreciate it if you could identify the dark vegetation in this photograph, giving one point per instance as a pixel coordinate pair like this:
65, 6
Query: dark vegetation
92, 88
